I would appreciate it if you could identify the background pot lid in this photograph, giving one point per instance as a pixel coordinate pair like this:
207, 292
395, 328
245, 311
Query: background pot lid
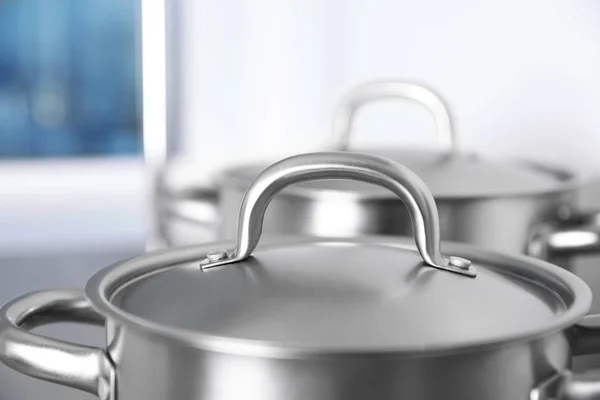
448, 170
447, 175
369, 295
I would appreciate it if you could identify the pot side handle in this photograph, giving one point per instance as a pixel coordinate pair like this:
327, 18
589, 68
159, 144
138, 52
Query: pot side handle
77, 366
567, 385
576, 236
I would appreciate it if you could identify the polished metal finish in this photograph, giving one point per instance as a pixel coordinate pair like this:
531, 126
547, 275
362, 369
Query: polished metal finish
504, 373
566, 240
566, 385
459, 262
81, 367
460, 176
345, 114
36, 269
341, 165
188, 215
505, 224
518, 223
513, 370
300, 296
216, 255
563, 240
155, 362
502, 221
500, 204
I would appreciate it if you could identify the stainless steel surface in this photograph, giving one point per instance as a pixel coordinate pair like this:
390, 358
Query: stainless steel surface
506, 372
568, 386
574, 240
509, 371
448, 172
33, 272
301, 319
182, 215
80, 367
500, 221
352, 102
458, 176
199, 204
175, 230
501, 374
375, 294
504, 224
505, 205
500, 204
340, 165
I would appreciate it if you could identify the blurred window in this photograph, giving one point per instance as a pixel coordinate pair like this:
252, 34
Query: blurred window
69, 78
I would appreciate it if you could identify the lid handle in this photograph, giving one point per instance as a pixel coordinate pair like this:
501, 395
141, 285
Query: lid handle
341, 165
345, 114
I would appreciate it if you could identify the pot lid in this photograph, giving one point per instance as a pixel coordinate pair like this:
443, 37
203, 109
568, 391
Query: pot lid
332, 296
447, 175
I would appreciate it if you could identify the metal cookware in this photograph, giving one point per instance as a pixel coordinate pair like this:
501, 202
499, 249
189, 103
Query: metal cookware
506, 205
318, 318
192, 210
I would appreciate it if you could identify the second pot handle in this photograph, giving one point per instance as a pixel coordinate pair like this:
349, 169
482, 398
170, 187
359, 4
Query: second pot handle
345, 113
341, 165
77, 366
567, 385
575, 240
567, 238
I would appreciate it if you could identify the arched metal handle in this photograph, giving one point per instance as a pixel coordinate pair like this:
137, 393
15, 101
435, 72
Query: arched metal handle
77, 366
341, 165
360, 96
576, 236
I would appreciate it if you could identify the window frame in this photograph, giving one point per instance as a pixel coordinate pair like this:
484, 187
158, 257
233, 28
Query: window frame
57, 205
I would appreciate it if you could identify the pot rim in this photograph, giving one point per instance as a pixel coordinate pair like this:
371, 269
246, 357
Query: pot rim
567, 179
105, 283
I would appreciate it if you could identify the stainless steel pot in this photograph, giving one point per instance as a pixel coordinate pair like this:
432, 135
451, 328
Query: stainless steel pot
506, 205
191, 210
318, 319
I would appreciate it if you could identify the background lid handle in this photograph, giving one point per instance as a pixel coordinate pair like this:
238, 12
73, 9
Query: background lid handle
345, 113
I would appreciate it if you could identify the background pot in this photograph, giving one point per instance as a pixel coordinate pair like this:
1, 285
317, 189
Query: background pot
507, 205
193, 328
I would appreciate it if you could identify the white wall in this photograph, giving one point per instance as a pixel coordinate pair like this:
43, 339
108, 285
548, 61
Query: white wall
523, 76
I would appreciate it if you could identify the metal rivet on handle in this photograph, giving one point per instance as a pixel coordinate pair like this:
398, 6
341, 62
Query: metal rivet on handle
216, 255
459, 262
